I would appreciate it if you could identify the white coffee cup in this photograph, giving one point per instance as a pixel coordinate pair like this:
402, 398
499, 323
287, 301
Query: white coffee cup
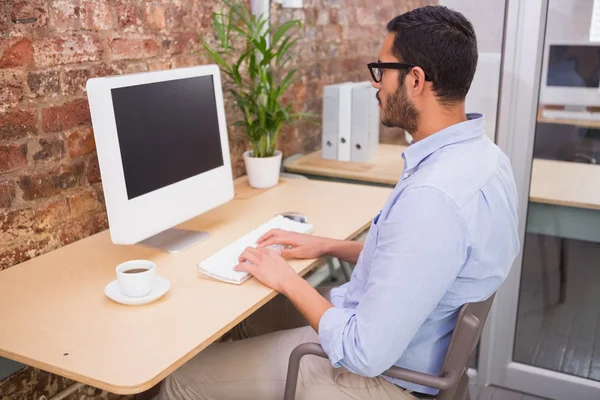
136, 277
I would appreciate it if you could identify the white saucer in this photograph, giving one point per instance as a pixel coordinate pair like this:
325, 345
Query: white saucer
161, 286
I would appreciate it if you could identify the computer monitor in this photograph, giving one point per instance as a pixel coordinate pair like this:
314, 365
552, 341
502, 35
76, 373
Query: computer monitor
571, 75
163, 152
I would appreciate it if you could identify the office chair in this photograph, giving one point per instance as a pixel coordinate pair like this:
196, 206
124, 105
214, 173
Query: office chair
453, 382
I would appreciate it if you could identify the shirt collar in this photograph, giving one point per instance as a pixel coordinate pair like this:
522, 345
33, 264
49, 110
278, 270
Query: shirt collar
417, 152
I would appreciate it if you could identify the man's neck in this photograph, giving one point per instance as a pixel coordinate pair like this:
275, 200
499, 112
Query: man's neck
438, 118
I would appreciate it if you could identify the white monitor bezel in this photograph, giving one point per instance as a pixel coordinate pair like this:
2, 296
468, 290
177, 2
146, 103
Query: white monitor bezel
131, 221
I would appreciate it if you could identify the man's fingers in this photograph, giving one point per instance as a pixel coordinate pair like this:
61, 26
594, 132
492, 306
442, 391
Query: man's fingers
275, 240
268, 235
245, 267
272, 254
250, 254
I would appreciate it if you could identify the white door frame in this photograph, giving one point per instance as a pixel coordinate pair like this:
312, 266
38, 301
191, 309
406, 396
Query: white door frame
520, 82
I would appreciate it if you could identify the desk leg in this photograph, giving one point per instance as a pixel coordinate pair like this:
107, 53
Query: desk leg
332, 277
544, 269
564, 255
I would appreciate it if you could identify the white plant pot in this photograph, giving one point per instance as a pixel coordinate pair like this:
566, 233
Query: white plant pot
263, 172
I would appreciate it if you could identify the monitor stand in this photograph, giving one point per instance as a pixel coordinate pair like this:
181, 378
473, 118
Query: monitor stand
175, 240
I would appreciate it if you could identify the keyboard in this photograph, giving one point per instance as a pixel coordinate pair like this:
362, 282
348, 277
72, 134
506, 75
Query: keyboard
220, 264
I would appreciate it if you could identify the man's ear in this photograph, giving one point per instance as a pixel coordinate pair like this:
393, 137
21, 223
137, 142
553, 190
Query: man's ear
417, 78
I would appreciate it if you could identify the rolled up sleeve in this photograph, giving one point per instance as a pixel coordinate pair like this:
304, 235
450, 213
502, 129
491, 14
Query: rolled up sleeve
421, 247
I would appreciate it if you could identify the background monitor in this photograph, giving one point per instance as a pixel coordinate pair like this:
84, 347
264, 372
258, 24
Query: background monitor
571, 75
163, 152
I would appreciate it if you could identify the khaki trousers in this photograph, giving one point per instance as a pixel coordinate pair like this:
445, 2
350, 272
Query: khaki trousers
254, 365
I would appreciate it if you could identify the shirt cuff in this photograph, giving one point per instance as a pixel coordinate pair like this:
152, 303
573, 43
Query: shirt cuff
331, 333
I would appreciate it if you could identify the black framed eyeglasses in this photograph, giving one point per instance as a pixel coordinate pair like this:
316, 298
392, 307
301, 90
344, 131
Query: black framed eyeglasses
376, 69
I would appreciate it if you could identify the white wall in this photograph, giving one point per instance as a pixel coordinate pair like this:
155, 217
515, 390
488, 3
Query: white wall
569, 21
487, 17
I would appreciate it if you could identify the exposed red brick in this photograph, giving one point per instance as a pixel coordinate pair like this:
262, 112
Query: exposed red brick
93, 170
101, 223
366, 17
329, 33
188, 61
180, 43
14, 224
7, 194
67, 116
386, 14
346, 17
17, 124
43, 83
74, 81
176, 18
333, 16
5, 23
81, 142
65, 15
50, 149
200, 15
159, 65
11, 86
154, 16
83, 202
127, 17
130, 67
104, 70
51, 182
323, 17
18, 54
17, 254
124, 49
24, 10
96, 15
13, 157
51, 51
80, 228
52, 215
100, 195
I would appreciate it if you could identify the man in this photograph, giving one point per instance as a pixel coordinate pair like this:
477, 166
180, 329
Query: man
446, 236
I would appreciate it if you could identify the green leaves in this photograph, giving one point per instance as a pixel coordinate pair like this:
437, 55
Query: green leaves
282, 30
253, 68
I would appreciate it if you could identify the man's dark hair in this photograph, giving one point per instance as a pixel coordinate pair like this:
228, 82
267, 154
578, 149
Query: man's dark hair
443, 43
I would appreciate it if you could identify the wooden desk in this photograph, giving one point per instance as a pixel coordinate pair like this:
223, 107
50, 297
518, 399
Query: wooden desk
566, 184
56, 317
384, 169
565, 200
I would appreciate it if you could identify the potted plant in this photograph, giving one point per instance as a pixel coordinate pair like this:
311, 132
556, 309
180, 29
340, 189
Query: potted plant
254, 59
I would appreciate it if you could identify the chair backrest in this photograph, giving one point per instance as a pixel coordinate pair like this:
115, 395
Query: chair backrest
465, 337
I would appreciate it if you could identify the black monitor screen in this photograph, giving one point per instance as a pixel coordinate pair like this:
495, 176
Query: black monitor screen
168, 131
574, 66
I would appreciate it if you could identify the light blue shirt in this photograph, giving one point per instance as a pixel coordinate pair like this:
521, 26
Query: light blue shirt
447, 235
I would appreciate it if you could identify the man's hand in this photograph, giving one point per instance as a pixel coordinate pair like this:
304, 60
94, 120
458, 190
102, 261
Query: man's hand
301, 245
273, 271
268, 267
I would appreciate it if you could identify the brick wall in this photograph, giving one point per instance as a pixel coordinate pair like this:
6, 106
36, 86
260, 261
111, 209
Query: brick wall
50, 186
